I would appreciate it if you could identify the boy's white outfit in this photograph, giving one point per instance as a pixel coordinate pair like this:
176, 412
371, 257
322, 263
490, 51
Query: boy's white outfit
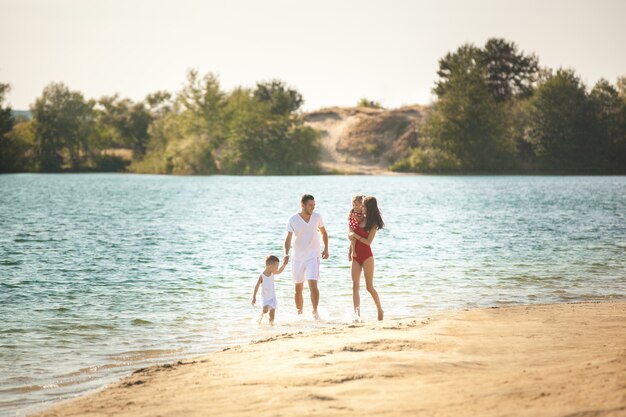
268, 293
306, 248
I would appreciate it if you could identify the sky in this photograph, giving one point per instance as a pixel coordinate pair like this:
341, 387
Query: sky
333, 52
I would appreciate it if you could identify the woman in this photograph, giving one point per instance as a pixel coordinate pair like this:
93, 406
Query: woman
363, 237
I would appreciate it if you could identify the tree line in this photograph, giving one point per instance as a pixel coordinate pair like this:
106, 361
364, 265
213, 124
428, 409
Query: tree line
499, 111
202, 129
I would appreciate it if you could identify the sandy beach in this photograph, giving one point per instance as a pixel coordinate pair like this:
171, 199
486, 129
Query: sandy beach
540, 360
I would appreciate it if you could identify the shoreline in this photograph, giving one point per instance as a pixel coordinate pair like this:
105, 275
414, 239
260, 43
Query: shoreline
538, 359
382, 173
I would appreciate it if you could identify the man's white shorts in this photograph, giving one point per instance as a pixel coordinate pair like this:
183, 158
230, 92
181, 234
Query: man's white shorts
309, 270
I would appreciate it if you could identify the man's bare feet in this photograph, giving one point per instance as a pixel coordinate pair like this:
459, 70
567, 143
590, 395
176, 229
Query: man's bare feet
381, 313
316, 315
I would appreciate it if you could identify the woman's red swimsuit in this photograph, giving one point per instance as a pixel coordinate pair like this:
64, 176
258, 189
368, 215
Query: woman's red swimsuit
363, 251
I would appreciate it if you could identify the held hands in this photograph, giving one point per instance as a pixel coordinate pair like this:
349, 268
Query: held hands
285, 259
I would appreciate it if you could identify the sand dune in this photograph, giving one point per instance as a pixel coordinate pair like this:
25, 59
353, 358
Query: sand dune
364, 140
542, 360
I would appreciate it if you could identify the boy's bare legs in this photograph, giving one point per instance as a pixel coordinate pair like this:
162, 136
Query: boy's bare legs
265, 308
297, 296
315, 296
272, 311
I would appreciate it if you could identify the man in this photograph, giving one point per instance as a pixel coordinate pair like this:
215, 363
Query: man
306, 226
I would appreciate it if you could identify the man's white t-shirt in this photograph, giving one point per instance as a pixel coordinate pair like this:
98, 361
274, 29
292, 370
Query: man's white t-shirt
307, 243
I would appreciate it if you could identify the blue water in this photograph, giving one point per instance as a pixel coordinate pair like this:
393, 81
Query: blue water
103, 273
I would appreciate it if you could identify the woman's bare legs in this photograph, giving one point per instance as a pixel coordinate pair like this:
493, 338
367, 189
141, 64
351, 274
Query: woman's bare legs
368, 269
356, 278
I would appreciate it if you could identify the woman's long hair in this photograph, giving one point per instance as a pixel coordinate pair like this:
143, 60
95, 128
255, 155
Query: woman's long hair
372, 215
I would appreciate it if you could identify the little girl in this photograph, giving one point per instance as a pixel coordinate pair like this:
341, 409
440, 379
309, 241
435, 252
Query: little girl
266, 281
354, 218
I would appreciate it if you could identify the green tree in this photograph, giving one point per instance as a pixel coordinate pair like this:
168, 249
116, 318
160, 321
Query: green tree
202, 104
63, 121
6, 125
263, 141
244, 131
126, 122
510, 73
468, 129
17, 149
16, 139
561, 125
282, 100
186, 133
175, 149
6, 121
610, 133
159, 103
245, 149
303, 151
453, 65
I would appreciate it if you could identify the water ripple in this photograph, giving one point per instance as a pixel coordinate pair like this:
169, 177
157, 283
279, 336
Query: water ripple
103, 273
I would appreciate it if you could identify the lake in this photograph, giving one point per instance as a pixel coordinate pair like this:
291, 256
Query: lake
101, 274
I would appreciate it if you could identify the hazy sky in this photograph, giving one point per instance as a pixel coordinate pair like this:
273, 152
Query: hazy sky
333, 52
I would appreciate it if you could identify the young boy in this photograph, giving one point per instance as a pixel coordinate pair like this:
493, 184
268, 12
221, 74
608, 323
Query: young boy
354, 218
266, 282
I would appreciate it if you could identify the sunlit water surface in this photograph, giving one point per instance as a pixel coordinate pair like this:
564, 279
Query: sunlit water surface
103, 273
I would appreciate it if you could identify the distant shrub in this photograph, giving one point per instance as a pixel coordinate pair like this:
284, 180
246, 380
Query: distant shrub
364, 102
427, 160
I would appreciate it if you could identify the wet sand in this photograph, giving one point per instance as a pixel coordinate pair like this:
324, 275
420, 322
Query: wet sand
540, 360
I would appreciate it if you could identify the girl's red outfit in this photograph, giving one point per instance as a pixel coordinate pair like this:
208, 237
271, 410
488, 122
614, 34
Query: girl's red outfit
363, 251
354, 219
